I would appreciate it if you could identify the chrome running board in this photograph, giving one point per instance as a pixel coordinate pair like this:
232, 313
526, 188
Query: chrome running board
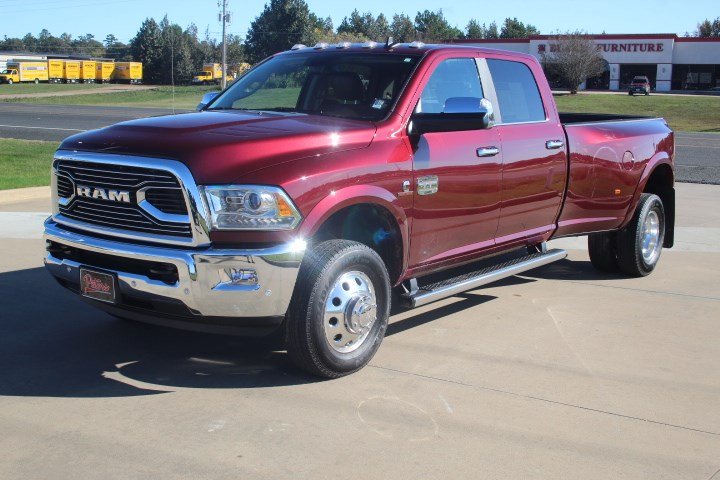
470, 281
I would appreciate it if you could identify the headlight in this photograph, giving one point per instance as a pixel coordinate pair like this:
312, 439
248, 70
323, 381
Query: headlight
245, 207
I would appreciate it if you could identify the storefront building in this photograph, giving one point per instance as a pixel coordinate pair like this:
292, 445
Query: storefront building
669, 61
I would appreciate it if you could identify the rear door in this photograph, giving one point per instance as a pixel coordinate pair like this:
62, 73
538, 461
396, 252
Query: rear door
534, 166
457, 174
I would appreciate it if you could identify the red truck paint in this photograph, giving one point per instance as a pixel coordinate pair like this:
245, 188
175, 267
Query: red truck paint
525, 195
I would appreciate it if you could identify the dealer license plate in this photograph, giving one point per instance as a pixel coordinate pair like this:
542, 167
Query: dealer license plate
97, 285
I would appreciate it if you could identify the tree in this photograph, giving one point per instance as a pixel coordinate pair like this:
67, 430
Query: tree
147, 47
365, 26
281, 24
492, 31
433, 27
402, 28
475, 30
514, 28
707, 28
574, 57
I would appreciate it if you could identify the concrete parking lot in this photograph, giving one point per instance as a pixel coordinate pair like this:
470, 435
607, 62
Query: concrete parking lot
559, 373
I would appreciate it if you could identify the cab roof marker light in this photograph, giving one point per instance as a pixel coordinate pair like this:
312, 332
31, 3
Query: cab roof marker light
369, 44
297, 46
320, 46
343, 45
416, 44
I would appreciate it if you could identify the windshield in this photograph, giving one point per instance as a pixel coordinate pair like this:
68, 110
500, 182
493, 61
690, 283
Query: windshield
336, 84
6, 72
202, 74
639, 79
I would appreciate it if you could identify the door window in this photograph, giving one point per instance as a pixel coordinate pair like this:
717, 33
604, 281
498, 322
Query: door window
517, 93
453, 78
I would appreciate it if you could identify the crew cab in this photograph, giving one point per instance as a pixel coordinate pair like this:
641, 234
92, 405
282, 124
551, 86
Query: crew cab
639, 84
330, 182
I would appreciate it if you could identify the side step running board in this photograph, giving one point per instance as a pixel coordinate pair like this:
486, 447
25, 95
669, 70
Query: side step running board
470, 281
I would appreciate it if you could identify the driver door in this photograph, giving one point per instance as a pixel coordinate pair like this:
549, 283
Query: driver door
457, 174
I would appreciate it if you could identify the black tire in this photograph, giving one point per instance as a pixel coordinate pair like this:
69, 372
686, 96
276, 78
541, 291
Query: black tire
305, 337
602, 248
630, 238
630, 93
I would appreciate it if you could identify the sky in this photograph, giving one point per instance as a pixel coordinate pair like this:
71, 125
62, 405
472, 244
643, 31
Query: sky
123, 17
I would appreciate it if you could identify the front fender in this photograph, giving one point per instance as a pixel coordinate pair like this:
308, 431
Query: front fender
355, 195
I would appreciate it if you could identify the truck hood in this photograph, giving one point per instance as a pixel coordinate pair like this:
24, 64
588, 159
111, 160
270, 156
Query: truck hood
222, 146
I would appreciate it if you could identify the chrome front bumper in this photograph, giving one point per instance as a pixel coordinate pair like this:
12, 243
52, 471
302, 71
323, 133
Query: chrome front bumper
202, 285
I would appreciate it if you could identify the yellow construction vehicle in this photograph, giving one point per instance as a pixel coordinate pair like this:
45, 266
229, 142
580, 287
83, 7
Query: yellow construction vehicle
24, 71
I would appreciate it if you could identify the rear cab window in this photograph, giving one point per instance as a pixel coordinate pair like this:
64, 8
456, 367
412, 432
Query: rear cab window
518, 96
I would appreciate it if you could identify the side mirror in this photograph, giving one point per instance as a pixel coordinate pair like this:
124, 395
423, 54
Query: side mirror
206, 99
459, 114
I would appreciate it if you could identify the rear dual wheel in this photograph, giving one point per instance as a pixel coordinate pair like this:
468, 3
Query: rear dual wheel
340, 308
634, 250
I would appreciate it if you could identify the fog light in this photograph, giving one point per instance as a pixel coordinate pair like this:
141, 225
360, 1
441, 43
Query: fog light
237, 276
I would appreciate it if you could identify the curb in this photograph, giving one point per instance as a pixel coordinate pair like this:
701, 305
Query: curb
24, 194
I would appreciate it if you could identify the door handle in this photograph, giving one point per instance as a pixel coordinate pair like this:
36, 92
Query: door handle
554, 144
487, 151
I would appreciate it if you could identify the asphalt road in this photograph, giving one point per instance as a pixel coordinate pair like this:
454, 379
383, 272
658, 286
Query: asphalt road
561, 373
698, 154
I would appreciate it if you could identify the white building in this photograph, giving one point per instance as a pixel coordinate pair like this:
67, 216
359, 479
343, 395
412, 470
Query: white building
669, 61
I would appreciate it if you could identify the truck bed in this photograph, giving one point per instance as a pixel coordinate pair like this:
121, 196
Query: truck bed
607, 155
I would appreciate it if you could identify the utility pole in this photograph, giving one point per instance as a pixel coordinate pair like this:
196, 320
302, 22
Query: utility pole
225, 18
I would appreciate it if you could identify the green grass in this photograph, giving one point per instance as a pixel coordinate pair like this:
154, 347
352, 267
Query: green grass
160, 97
23, 88
25, 163
683, 113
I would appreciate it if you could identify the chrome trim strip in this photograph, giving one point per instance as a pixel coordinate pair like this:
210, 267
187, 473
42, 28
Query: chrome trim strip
153, 211
194, 202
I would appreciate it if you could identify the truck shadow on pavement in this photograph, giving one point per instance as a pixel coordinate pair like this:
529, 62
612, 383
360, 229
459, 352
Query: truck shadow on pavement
54, 345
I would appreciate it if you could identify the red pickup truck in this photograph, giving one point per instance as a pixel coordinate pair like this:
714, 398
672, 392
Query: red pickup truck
331, 181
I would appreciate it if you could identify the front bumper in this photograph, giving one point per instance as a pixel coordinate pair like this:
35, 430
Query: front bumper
199, 292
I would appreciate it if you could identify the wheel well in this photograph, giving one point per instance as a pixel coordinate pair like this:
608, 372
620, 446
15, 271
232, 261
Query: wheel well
661, 184
371, 225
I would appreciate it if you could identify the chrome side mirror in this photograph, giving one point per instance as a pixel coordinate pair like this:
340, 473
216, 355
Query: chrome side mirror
206, 99
466, 105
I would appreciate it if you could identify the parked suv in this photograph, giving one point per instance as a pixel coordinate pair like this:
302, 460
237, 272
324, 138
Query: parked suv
639, 85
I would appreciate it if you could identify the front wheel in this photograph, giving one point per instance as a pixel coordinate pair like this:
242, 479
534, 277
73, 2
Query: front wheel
10, 82
640, 243
340, 308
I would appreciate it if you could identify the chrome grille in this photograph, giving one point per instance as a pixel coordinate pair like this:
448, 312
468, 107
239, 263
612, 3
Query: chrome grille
64, 186
159, 188
167, 200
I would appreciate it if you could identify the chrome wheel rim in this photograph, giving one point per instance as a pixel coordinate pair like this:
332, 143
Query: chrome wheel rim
350, 312
650, 237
